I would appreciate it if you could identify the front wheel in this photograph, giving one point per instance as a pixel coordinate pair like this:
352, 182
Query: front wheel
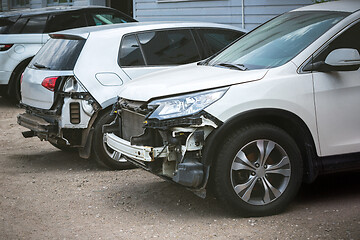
103, 154
258, 170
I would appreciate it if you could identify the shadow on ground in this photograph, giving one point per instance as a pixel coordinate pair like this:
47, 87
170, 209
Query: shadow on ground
331, 187
53, 161
5, 102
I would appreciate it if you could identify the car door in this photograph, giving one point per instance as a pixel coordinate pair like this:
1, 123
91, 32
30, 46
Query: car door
337, 98
156, 50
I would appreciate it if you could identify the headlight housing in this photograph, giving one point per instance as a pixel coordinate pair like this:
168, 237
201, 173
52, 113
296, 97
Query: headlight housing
185, 105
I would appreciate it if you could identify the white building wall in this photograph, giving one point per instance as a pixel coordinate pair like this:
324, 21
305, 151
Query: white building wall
43, 3
36, 4
4, 5
220, 11
81, 2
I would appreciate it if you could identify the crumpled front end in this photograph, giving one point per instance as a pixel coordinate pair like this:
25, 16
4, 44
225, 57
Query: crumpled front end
170, 148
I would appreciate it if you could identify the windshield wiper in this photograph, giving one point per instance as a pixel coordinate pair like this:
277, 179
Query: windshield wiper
240, 67
40, 66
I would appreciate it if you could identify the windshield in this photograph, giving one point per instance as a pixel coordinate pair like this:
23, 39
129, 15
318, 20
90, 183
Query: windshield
58, 54
278, 41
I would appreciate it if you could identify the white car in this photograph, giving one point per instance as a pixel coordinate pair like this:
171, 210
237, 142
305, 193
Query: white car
69, 87
23, 33
274, 109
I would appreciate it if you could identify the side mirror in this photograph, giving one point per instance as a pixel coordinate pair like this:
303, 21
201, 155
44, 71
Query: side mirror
343, 57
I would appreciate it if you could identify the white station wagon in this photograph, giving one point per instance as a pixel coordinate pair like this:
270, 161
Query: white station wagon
23, 33
274, 109
69, 87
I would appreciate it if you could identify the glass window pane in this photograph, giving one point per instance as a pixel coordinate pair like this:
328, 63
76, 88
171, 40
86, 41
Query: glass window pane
65, 21
349, 39
18, 26
169, 47
130, 53
279, 40
59, 54
107, 17
102, 19
35, 25
217, 39
6, 23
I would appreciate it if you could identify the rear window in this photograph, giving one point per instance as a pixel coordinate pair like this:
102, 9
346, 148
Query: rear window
58, 54
6, 23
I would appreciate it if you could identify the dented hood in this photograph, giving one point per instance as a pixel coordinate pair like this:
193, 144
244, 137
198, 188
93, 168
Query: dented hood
185, 79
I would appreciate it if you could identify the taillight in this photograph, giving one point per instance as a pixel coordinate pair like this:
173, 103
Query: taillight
5, 47
49, 83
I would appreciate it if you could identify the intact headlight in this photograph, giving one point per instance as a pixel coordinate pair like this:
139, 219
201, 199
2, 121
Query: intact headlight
185, 105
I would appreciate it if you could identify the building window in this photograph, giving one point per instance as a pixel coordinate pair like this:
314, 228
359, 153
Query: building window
59, 2
20, 3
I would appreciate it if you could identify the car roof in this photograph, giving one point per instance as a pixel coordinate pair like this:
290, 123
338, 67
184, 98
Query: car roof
136, 27
47, 10
338, 6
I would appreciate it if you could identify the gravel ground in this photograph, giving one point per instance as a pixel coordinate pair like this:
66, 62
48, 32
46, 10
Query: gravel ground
49, 194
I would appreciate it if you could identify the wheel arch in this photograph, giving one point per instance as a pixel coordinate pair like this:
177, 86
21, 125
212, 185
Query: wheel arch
289, 122
87, 138
11, 84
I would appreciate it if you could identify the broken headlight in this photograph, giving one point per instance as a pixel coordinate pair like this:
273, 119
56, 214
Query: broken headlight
185, 105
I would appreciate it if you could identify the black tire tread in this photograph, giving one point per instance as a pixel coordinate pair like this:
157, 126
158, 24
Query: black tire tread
225, 193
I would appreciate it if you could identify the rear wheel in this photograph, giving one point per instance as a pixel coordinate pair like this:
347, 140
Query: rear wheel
103, 154
258, 170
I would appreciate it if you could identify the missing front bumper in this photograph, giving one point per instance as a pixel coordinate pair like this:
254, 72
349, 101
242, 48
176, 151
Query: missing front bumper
140, 153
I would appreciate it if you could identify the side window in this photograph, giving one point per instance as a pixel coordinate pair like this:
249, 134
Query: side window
349, 39
216, 39
170, 47
65, 21
102, 18
6, 23
130, 53
35, 24
18, 26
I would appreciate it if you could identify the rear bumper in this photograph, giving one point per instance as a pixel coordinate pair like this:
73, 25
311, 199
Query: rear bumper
37, 124
4, 77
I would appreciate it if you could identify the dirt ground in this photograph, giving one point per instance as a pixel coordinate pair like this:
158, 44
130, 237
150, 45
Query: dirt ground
49, 194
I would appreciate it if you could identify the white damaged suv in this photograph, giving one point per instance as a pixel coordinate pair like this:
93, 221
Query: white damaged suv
69, 87
274, 109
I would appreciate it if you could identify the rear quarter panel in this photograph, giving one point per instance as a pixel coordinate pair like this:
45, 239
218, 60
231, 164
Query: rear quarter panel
99, 55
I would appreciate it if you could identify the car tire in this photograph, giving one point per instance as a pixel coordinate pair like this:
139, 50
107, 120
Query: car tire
258, 171
103, 154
